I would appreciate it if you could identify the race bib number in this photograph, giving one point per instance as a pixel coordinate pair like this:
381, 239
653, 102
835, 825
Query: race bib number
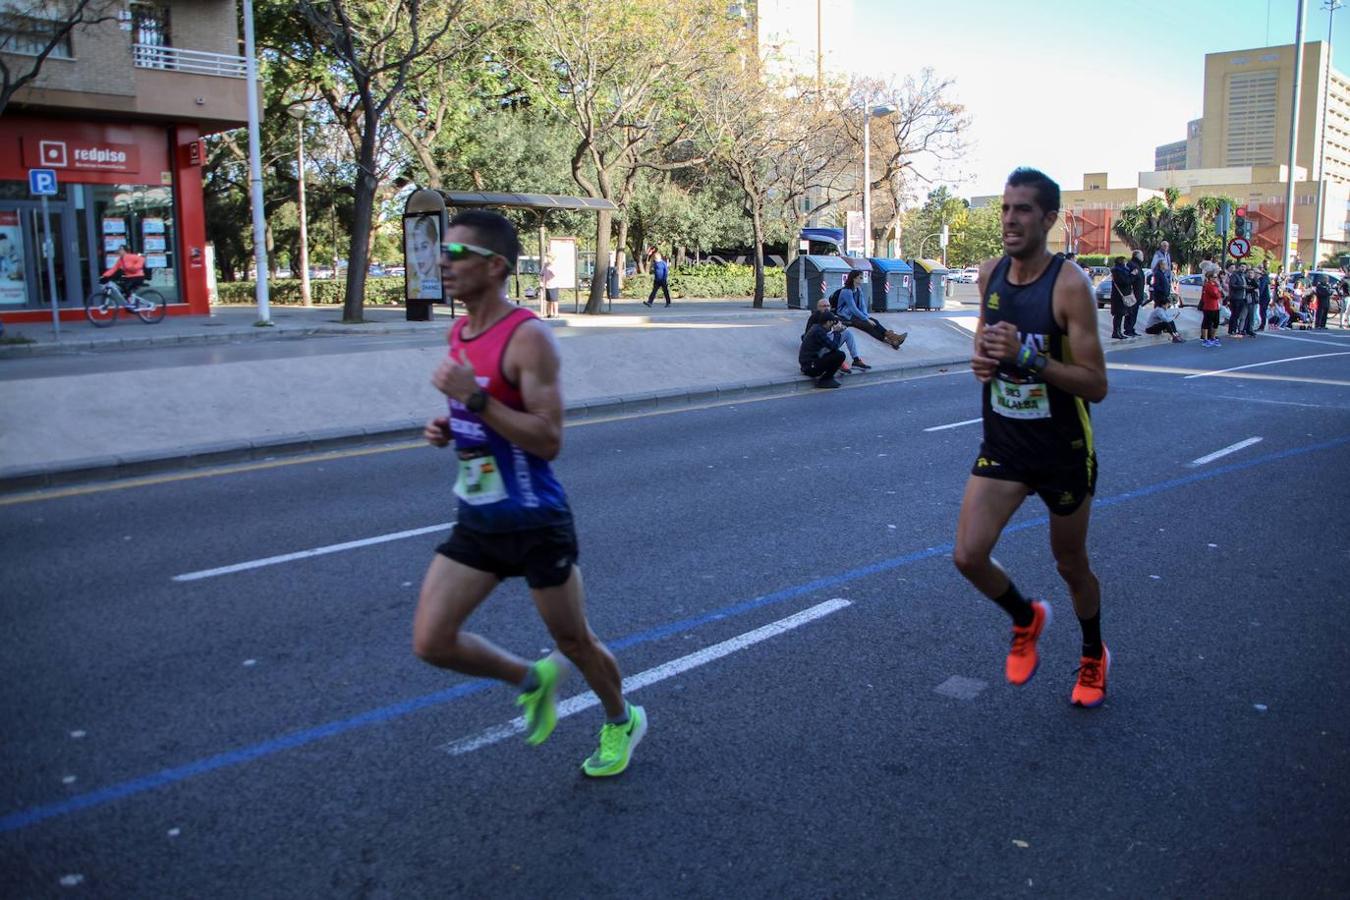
480, 481
1020, 401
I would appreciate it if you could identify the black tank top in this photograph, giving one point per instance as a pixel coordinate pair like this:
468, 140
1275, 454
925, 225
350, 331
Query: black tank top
1025, 418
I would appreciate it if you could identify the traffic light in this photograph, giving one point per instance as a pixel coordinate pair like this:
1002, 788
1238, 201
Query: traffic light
1242, 227
1247, 229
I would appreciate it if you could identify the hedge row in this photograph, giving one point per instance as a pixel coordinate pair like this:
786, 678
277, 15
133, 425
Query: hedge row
382, 291
711, 281
693, 281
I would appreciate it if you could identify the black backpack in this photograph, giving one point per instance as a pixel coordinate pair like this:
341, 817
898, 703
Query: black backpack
834, 299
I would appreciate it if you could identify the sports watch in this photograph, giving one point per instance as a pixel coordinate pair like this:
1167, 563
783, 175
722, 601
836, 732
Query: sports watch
477, 401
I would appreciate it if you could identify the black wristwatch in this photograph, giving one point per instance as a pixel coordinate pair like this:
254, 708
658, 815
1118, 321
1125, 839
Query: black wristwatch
477, 401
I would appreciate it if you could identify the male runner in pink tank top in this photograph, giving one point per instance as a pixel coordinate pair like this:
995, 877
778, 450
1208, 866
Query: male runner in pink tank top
505, 419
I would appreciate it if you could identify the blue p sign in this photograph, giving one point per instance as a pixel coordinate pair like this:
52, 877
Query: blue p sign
42, 182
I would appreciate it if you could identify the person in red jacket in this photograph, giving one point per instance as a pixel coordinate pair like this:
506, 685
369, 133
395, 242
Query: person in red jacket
128, 271
1210, 296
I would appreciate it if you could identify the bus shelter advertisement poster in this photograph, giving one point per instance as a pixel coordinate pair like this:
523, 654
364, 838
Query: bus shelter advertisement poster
13, 291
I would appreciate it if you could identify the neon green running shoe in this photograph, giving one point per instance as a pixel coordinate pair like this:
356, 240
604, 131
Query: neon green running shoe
617, 743
541, 704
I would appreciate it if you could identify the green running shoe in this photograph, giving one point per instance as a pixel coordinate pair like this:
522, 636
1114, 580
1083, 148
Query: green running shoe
541, 704
617, 743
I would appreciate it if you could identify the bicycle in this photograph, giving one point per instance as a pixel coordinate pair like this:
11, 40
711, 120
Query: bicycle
104, 305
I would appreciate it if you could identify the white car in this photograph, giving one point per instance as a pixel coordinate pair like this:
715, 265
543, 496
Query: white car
1189, 288
968, 275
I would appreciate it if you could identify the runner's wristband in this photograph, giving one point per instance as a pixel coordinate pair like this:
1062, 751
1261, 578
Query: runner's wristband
1029, 360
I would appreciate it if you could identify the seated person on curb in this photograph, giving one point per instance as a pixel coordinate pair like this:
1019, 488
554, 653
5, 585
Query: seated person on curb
1164, 319
824, 316
848, 304
1279, 312
819, 358
128, 270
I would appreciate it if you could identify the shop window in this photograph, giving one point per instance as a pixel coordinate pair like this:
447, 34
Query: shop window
141, 217
31, 35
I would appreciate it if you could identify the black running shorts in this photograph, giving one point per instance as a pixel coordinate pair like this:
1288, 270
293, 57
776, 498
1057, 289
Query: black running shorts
1062, 484
1209, 319
545, 556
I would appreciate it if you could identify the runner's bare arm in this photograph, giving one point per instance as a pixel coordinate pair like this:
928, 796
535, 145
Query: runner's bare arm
532, 360
1075, 310
982, 365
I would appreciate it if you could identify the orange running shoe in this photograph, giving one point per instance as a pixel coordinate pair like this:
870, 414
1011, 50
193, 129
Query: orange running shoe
1090, 690
1022, 658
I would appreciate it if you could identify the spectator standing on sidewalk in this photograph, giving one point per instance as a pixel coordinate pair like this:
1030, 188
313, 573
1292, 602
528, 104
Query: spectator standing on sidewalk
1322, 288
1248, 324
1160, 287
1343, 295
1211, 298
660, 277
1162, 254
1237, 299
1136, 266
1263, 295
1122, 297
549, 293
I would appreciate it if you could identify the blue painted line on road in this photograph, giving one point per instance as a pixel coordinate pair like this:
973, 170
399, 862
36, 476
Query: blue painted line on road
164, 777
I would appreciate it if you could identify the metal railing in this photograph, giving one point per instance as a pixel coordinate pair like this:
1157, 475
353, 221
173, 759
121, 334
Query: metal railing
198, 62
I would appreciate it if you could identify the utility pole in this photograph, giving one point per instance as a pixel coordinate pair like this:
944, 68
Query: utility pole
1330, 6
1285, 256
820, 48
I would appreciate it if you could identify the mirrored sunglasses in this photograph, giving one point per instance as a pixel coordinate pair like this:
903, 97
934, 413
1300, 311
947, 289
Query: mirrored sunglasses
457, 252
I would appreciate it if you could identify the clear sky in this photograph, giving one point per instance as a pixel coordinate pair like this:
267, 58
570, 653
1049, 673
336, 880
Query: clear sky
1073, 86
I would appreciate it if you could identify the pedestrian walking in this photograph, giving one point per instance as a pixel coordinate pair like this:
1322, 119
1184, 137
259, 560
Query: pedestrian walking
503, 383
660, 277
1038, 434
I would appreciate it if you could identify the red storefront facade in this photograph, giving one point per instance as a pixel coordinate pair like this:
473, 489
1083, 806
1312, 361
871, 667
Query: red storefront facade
138, 185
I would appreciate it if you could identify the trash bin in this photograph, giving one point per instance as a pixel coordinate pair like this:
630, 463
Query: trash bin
824, 275
892, 285
930, 284
419, 310
612, 282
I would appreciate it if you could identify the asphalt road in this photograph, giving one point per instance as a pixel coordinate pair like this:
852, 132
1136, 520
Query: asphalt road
267, 732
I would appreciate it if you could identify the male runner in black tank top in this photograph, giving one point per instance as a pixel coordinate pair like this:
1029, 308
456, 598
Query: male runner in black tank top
1039, 357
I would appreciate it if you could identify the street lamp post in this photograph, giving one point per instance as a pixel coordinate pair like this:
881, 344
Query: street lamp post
298, 111
869, 113
1330, 6
255, 169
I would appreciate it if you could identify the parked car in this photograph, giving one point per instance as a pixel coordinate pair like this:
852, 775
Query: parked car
398, 271
1103, 293
968, 275
1188, 288
1301, 277
1096, 273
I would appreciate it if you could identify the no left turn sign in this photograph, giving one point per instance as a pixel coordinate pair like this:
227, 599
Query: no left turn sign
1239, 247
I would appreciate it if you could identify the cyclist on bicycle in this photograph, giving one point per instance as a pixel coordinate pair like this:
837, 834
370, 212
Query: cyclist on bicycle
128, 271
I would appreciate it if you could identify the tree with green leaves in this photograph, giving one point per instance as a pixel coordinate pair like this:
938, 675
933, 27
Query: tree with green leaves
621, 75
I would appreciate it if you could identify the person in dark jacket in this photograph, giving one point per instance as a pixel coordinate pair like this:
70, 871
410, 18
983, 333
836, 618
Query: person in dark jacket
1160, 285
1136, 267
1322, 287
1122, 297
1237, 299
818, 357
1263, 295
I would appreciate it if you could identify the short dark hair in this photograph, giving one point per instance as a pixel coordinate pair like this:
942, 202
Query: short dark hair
1047, 192
494, 231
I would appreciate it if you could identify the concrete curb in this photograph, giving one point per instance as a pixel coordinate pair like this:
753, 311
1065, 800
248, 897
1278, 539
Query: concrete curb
17, 480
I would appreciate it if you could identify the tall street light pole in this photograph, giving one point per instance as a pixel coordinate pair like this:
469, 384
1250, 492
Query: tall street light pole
298, 111
1330, 6
869, 112
255, 168
1286, 256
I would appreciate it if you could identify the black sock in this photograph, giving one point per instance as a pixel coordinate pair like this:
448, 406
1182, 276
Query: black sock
1015, 605
1092, 635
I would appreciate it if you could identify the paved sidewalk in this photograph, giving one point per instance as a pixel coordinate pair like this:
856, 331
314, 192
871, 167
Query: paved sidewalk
139, 398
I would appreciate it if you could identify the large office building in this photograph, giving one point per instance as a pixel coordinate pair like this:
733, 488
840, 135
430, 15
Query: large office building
801, 38
118, 110
1168, 157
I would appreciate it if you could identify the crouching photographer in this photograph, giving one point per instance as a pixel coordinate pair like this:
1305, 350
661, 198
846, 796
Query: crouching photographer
820, 356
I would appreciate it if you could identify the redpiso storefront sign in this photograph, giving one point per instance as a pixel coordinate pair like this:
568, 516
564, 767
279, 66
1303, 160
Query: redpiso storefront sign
99, 156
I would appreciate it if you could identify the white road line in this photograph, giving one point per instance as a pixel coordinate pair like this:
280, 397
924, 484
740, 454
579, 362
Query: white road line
1225, 451
953, 425
305, 554
1302, 340
573, 705
1272, 362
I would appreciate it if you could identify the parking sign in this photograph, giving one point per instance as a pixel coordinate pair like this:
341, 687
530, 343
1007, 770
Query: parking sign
42, 182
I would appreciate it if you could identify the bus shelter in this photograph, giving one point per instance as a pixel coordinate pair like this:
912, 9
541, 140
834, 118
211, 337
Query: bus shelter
426, 217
